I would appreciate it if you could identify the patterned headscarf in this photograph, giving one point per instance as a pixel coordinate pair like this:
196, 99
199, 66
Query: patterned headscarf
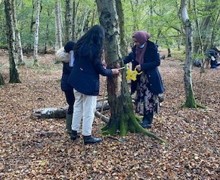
141, 37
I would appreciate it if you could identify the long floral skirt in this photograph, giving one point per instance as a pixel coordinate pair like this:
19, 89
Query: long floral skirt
145, 101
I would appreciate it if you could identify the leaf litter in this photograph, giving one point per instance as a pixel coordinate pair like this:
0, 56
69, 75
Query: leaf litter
41, 149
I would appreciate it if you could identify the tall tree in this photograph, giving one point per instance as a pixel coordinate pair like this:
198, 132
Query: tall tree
190, 99
18, 45
14, 76
206, 25
58, 25
68, 20
122, 117
75, 8
36, 34
120, 12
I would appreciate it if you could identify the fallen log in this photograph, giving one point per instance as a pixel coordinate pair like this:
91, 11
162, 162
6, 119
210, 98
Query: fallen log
101, 116
58, 113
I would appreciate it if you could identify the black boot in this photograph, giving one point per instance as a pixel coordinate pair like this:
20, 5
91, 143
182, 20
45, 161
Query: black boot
74, 135
91, 140
68, 123
150, 120
147, 121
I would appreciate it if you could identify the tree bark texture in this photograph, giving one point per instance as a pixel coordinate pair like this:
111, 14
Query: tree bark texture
205, 31
120, 13
75, 6
58, 23
190, 99
122, 119
68, 21
14, 76
53, 112
36, 34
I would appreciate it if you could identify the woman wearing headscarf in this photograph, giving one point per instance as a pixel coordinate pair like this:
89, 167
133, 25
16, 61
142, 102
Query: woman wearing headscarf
145, 58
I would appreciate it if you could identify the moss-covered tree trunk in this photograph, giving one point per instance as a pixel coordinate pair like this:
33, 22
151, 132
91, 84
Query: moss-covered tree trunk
122, 119
190, 99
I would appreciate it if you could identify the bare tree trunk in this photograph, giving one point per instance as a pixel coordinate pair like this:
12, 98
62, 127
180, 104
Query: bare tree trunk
198, 44
120, 13
36, 34
58, 27
190, 99
204, 38
134, 16
32, 17
93, 18
18, 45
68, 21
215, 28
83, 25
14, 76
2, 82
122, 117
74, 20
47, 32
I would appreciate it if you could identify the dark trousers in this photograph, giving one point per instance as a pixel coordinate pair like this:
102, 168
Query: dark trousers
70, 99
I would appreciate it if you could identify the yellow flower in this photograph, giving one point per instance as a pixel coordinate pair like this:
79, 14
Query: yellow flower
132, 75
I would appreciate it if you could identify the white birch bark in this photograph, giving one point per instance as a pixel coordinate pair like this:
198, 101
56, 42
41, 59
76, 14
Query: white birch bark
18, 45
36, 34
190, 100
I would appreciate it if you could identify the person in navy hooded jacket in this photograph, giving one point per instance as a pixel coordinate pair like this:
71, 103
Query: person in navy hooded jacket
84, 78
65, 87
146, 59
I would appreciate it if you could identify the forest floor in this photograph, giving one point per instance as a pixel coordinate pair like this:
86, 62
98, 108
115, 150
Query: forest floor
40, 148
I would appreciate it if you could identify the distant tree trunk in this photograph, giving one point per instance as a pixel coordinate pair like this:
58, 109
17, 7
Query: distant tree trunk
29, 46
47, 32
87, 19
168, 46
58, 27
14, 76
122, 117
134, 16
74, 21
93, 18
169, 52
198, 46
206, 28
2, 82
20, 51
36, 34
179, 42
68, 21
18, 45
215, 28
32, 17
190, 99
120, 13
83, 25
